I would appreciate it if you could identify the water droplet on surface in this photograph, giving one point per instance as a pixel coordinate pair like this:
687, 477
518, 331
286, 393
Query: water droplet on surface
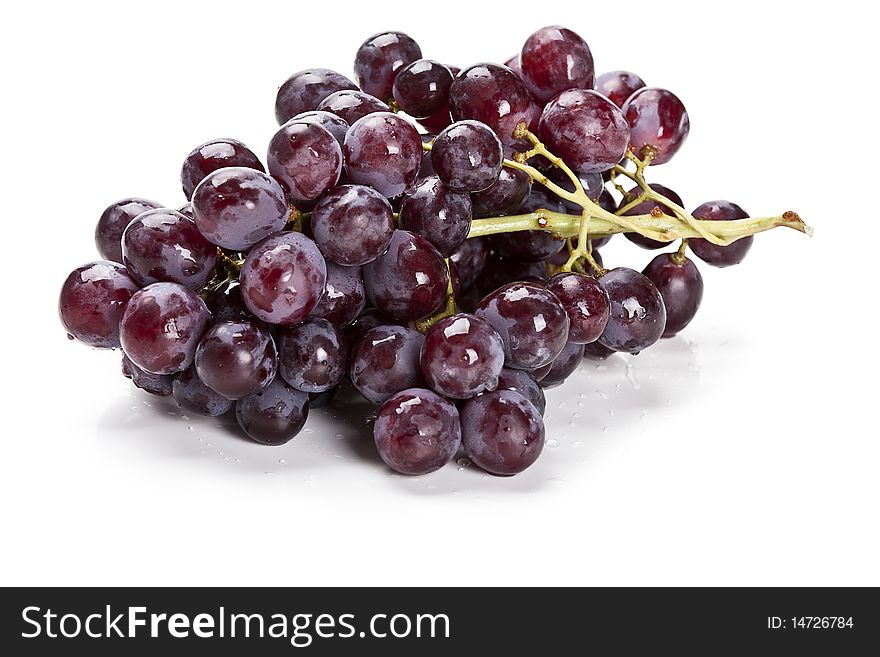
632, 377
552, 443
281, 461
190, 428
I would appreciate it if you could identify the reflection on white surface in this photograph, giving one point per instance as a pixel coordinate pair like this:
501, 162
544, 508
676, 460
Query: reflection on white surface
603, 404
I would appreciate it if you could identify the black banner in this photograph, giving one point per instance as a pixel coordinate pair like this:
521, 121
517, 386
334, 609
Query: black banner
420, 621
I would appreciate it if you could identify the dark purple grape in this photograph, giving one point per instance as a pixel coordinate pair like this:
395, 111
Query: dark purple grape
531, 322
274, 415
721, 256
236, 359
384, 151
539, 373
606, 202
283, 278
114, 220
380, 58
312, 355
528, 245
409, 281
586, 304
500, 271
647, 207
421, 89
162, 326
226, 305
344, 295
592, 183
155, 384
681, 286
237, 207
524, 383
321, 399
638, 316
506, 196
163, 245
470, 259
352, 105
597, 351
554, 59
502, 432
385, 361
462, 356
467, 300
306, 158
454, 280
352, 225
513, 64
303, 91
192, 395
369, 319
438, 214
493, 95
438, 122
618, 86
541, 199
92, 301
563, 365
562, 257
585, 129
335, 125
213, 155
467, 156
658, 119
417, 432
426, 169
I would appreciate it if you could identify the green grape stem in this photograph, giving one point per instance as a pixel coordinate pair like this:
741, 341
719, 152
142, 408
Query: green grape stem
595, 221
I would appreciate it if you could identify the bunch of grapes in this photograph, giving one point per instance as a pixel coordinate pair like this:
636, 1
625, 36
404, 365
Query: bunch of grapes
427, 234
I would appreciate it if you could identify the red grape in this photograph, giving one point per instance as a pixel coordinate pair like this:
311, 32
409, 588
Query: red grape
92, 301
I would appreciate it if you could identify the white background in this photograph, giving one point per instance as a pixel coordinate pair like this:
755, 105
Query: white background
743, 452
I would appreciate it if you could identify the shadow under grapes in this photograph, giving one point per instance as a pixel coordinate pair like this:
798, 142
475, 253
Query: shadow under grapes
602, 403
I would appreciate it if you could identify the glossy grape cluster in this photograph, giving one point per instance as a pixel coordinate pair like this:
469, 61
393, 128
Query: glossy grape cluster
345, 260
